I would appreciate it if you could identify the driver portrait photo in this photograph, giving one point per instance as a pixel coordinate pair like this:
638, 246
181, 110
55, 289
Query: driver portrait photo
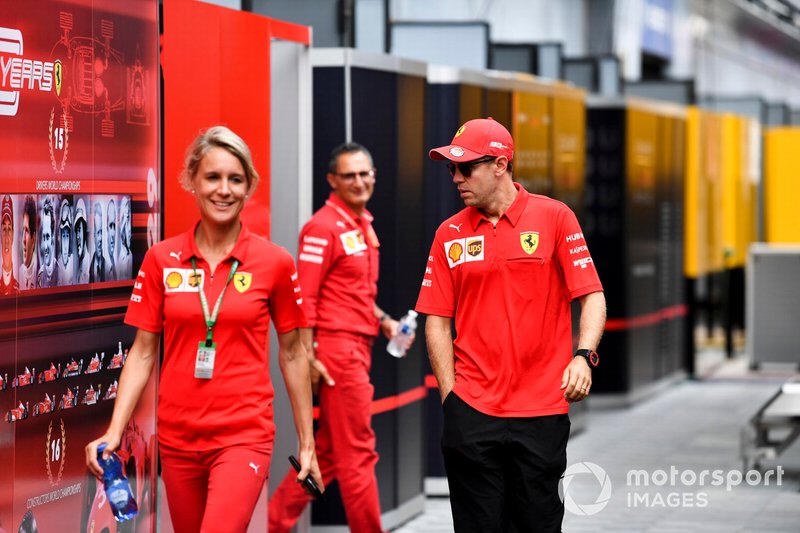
47, 276
97, 269
27, 270
8, 284
81, 227
124, 257
111, 239
66, 264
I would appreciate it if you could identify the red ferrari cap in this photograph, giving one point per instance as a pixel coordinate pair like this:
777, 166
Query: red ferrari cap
475, 139
7, 209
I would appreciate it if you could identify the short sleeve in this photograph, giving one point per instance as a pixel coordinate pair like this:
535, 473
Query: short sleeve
146, 306
314, 260
286, 297
436, 295
580, 274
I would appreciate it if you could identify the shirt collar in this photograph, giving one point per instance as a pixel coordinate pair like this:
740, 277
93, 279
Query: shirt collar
513, 213
335, 200
239, 251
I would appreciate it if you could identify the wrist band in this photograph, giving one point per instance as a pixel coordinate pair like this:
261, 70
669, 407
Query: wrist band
384, 316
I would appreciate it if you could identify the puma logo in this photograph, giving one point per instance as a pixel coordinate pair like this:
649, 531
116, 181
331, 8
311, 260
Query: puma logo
176, 255
457, 228
255, 467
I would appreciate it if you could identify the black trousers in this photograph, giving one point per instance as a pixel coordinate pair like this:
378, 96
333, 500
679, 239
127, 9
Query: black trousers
503, 473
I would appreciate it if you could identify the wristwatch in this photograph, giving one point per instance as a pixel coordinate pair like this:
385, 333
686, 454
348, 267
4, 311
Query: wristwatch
590, 355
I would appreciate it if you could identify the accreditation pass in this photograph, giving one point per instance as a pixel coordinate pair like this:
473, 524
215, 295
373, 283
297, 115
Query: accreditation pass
204, 365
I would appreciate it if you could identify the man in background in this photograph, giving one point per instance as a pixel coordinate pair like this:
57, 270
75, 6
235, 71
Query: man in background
338, 268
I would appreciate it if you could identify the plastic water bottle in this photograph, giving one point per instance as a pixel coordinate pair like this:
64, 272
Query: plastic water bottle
118, 490
408, 325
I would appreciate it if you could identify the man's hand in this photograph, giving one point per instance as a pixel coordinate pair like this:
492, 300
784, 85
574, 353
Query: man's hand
577, 380
390, 327
319, 372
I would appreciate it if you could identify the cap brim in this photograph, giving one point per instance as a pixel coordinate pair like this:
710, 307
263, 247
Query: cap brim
453, 152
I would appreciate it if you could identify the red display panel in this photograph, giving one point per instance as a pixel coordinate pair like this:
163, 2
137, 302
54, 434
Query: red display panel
216, 71
79, 191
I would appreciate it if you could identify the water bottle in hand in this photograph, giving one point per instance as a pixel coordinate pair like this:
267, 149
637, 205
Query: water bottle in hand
408, 324
118, 490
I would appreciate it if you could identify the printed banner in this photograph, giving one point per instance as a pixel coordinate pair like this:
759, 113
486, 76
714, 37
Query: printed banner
79, 197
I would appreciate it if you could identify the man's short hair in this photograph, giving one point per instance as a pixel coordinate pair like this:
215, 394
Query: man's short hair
30, 209
347, 148
47, 209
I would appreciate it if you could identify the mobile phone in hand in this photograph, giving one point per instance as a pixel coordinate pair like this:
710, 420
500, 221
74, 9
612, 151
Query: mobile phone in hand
308, 483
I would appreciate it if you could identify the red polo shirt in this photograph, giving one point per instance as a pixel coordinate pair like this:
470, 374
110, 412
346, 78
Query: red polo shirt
235, 405
509, 288
338, 265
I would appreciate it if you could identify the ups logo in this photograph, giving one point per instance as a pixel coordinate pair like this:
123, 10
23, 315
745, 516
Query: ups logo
474, 248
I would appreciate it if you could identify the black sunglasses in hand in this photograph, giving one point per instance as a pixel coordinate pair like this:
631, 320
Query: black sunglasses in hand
466, 167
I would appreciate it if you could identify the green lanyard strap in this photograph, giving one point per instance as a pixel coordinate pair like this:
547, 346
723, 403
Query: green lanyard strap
212, 319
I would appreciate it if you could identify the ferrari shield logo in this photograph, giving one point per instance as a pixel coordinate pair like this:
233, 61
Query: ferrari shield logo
529, 240
242, 281
58, 74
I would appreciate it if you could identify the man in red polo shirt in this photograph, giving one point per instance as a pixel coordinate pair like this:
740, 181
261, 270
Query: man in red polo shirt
506, 268
338, 267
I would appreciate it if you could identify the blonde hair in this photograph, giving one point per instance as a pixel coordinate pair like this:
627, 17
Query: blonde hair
217, 137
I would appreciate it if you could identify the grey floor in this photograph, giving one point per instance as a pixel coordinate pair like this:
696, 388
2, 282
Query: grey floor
691, 427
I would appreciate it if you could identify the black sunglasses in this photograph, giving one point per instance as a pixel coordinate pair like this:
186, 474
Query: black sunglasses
466, 168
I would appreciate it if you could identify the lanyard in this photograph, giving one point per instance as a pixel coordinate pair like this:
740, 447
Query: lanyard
373, 238
211, 320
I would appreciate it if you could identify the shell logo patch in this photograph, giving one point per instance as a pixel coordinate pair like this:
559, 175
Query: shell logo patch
353, 242
182, 280
455, 251
529, 240
173, 280
242, 281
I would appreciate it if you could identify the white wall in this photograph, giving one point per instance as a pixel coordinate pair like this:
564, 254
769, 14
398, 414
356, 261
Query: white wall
733, 54
510, 21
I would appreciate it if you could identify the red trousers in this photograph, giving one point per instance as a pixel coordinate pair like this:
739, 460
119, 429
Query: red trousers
214, 491
345, 440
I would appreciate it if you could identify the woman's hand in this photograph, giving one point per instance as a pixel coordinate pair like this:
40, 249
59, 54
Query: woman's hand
112, 444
